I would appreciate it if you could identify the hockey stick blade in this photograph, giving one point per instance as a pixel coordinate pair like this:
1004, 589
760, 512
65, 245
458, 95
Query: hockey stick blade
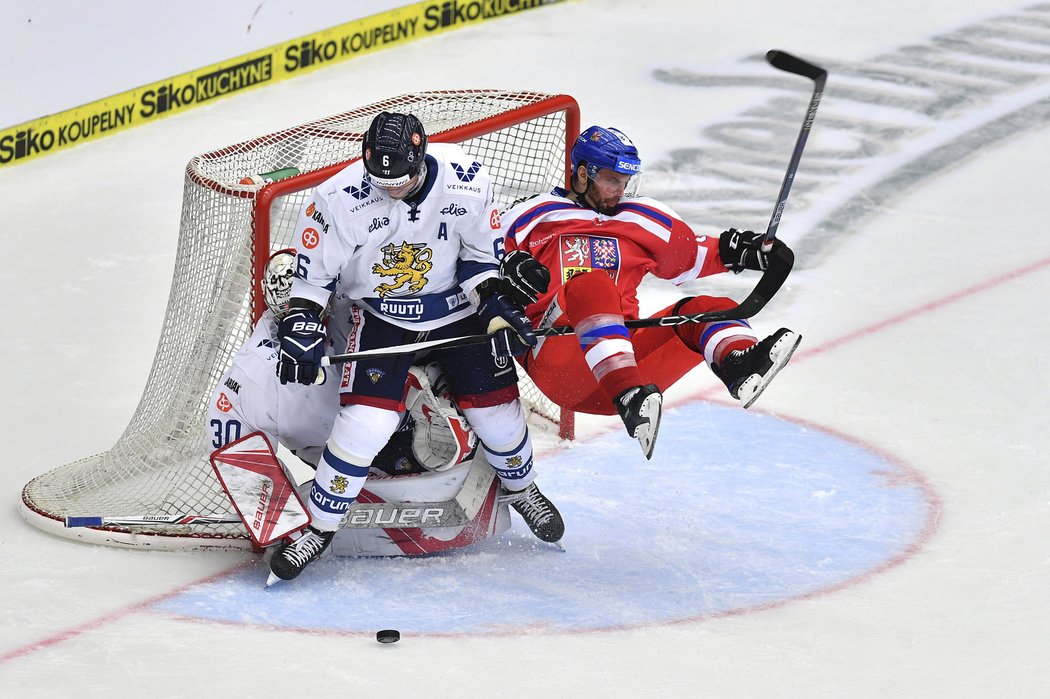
782, 60
793, 64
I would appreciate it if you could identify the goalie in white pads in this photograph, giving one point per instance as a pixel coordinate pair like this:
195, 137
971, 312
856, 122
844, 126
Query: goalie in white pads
413, 236
428, 460
249, 398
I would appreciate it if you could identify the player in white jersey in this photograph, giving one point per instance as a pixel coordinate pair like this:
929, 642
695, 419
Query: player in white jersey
413, 237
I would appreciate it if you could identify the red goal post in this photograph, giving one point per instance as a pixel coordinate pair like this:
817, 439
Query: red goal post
240, 203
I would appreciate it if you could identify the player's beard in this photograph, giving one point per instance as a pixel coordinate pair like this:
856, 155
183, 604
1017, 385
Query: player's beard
602, 204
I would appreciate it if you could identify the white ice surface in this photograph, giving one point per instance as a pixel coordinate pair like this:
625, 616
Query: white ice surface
924, 339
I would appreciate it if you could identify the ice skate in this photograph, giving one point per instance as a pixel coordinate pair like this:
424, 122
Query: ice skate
293, 556
538, 512
640, 410
746, 373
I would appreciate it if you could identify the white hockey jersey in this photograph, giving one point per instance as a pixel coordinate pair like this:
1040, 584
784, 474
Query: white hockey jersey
250, 397
409, 261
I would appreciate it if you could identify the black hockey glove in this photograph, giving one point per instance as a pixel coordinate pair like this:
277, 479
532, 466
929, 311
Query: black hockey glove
524, 277
511, 331
742, 250
301, 334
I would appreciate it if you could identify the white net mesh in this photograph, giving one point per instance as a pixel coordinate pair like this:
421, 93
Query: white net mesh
228, 229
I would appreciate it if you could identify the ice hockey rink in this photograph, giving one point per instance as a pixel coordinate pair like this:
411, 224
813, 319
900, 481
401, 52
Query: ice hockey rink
876, 526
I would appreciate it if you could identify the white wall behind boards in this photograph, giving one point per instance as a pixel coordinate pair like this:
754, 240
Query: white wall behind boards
59, 54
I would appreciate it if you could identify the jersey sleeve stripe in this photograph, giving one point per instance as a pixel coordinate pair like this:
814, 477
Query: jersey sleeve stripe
650, 213
532, 214
697, 268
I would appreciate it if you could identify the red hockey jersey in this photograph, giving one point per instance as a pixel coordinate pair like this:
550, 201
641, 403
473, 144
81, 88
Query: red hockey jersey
641, 237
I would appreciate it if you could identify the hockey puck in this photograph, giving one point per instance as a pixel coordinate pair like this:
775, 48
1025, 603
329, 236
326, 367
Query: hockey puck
388, 636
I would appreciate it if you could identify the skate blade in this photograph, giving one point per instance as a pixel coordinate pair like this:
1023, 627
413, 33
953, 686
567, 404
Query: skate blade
646, 435
272, 579
779, 354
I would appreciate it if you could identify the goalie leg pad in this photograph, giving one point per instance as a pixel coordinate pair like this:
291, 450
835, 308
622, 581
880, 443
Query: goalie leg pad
259, 489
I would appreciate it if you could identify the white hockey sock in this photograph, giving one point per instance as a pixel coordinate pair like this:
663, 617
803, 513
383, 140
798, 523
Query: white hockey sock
506, 442
358, 434
335, 486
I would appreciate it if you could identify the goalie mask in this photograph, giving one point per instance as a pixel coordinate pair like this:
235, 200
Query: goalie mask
393, 149
277, 281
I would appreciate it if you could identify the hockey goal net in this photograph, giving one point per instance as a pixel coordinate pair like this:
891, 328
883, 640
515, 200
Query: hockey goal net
239, 204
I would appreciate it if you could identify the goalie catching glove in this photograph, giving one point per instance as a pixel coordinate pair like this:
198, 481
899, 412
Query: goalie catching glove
524, 277
503, 319
301, 334
742, 250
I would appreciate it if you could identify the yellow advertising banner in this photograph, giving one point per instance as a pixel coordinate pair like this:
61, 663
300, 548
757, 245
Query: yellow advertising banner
56, 132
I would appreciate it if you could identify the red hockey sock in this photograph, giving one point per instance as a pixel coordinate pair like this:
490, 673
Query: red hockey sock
713, 340
592, 303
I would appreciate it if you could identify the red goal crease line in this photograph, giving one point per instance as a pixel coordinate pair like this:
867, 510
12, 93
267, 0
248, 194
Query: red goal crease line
116, 615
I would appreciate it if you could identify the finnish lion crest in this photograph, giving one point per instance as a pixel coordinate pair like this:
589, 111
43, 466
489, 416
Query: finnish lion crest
408, 264
339, 485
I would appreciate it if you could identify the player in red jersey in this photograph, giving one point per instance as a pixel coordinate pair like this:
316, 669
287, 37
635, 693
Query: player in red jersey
595, 243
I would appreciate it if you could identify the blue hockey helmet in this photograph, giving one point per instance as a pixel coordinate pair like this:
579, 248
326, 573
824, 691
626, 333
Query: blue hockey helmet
605, 148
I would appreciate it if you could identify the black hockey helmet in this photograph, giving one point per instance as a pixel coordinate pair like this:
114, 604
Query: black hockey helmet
393, 149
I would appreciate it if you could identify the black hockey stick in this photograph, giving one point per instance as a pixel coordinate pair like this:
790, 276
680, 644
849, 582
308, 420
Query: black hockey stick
781, 259
464, 340
781, 60
408, 348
